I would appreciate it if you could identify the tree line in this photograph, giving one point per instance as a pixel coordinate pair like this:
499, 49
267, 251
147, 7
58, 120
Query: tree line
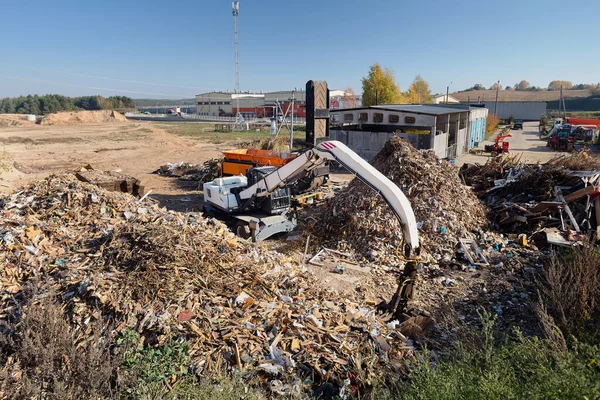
525, 86
51, 103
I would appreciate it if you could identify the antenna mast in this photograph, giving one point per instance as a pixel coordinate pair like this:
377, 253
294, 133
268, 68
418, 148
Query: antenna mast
235, 10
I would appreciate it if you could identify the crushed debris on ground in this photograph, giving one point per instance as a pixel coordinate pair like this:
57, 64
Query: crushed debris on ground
445, 209
110, 257
206, 172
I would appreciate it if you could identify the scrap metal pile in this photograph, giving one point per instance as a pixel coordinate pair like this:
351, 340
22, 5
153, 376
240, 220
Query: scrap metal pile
445, 209
119, 262
556, 201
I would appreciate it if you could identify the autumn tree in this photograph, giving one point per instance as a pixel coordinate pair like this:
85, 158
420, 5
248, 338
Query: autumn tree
418, 92
496, 86
379, 87
349, 99
555, 85
522, 86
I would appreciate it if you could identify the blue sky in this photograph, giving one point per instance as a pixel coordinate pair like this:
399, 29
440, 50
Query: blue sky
179, 48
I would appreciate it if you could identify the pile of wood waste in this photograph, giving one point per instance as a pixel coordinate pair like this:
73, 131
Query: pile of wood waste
206, 172
113, 259
446, 210
557, 202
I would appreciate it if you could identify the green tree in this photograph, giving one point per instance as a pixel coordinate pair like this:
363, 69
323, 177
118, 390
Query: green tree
418, 92
380, 87
8, 106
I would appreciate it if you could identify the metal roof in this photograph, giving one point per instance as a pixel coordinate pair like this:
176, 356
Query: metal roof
420, 109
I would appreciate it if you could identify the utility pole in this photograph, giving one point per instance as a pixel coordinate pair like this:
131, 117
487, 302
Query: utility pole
447, 92
562, 100
496, 105
235, 10
292, 130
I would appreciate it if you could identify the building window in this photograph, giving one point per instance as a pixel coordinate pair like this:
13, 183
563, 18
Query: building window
410, 120
348, 117
393, 119
213, 103
227, 102
377, 117
363, 117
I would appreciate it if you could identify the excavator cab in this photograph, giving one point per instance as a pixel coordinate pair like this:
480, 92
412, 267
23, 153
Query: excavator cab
278, 201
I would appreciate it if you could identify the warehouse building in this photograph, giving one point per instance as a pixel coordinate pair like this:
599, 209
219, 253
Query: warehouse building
261, 105
525, 110
252, 105
449, 131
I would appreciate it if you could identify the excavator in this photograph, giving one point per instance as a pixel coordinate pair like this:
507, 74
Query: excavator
258, 205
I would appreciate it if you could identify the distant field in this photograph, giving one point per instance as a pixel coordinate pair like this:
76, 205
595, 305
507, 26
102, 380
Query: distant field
207, 133
506, 95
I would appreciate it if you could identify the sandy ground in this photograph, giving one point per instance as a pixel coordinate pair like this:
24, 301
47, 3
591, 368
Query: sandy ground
30, 152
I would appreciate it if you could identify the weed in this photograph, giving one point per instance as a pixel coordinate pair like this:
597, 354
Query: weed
163, 373
522, 368
570, 292
42, 357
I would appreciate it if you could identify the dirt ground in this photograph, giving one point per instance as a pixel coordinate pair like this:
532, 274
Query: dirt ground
29, 152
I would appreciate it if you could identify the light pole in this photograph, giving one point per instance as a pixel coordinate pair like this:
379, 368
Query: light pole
447, 91
496, 105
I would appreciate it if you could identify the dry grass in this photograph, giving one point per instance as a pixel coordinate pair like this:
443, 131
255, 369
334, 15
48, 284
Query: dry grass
491, 123
42, 358
570, 292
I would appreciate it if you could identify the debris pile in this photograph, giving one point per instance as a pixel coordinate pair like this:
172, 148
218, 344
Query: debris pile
206, 172
111, 180
556, 201
445, 209
112, 258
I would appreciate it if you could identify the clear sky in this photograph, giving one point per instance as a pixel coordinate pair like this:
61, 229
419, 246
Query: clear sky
179, 48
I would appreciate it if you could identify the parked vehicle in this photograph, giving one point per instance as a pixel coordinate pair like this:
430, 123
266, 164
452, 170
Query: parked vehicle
518, 124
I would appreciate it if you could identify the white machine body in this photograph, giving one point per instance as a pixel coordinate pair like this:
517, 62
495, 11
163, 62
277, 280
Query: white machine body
218, 192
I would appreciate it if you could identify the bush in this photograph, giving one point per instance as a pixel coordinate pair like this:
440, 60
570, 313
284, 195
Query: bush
43, 357
570, 291
491, 123
519, 369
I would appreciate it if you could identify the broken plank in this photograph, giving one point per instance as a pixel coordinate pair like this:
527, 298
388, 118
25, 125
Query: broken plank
580, 193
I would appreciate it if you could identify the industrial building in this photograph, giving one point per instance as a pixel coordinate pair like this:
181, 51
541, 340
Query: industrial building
445, 99
252, 105
449, 131
337, 97
525, 110
261, 105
